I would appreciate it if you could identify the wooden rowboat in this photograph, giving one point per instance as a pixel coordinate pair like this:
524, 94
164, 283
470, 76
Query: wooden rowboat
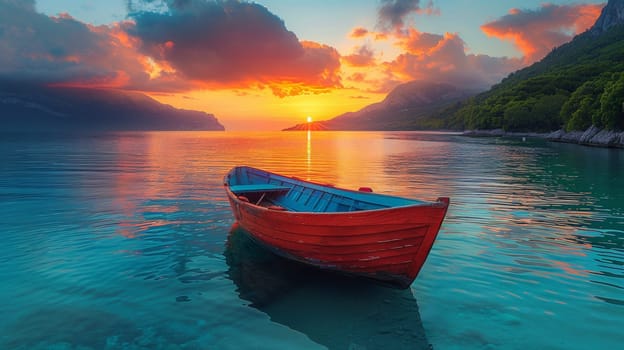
382, 237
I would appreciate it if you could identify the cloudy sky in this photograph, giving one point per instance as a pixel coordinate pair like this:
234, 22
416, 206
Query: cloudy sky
269, 64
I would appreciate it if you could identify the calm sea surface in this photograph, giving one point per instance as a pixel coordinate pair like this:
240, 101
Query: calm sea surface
126, 241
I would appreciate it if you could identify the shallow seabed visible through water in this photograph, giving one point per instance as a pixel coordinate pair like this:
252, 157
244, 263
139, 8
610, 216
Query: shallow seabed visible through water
126, 241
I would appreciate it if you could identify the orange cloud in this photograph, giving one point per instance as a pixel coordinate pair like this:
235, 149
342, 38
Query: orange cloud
357, 77
416, 42
381, 36
361, 57
537, 32
361, 32
358, 32
432, 57
316, 71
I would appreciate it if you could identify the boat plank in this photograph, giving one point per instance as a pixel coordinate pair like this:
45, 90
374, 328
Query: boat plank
368, 235
349, 256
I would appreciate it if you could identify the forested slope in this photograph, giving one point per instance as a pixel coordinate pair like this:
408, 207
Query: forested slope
578, 84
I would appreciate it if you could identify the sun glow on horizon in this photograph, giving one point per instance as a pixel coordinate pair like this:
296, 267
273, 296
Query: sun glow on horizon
262, 111
309, 119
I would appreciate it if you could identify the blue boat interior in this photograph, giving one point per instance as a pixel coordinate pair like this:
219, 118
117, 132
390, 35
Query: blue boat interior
279, 192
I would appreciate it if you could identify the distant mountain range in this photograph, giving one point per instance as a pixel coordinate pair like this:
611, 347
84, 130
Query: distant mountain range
406, 107
25, 107
577, 85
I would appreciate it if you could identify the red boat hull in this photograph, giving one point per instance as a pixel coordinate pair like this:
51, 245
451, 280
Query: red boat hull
389, 245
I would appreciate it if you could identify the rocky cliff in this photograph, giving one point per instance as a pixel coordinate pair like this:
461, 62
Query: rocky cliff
612, 15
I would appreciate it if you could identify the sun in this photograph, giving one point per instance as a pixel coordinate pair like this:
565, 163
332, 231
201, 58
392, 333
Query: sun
309, 119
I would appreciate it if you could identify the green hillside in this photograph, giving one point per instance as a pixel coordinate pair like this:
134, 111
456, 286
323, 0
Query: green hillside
578, 84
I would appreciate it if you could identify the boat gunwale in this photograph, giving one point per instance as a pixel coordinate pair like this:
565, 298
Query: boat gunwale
440, 202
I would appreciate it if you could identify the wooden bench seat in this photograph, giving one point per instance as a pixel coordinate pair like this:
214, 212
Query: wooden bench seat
238, 189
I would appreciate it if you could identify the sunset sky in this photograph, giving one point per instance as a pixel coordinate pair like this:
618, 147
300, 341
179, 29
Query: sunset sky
270, 64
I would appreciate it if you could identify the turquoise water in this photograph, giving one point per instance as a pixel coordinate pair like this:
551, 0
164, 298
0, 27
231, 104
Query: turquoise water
126, 241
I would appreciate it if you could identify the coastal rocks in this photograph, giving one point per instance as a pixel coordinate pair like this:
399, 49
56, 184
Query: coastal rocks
571, 137
591, 137
609, 138
555, 135
589, 134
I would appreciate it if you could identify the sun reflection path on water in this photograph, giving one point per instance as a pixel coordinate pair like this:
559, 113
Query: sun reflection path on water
309, 153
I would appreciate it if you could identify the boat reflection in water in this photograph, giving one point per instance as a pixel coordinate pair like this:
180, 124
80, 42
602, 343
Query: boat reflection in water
334, 310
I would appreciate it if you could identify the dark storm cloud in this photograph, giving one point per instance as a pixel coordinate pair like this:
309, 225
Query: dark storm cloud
64, 51
231, 42
36, 47
392, 13
175, 45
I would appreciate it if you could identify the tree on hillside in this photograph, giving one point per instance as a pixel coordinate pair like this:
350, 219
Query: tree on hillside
579, 111
612, 103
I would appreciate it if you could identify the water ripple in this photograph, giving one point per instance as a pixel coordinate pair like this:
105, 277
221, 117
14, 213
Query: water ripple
123, 238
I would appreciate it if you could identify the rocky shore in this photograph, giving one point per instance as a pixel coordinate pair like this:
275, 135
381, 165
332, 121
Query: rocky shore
590, 137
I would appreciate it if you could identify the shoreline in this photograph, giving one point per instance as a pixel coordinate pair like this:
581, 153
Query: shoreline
503, 133
593, 136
